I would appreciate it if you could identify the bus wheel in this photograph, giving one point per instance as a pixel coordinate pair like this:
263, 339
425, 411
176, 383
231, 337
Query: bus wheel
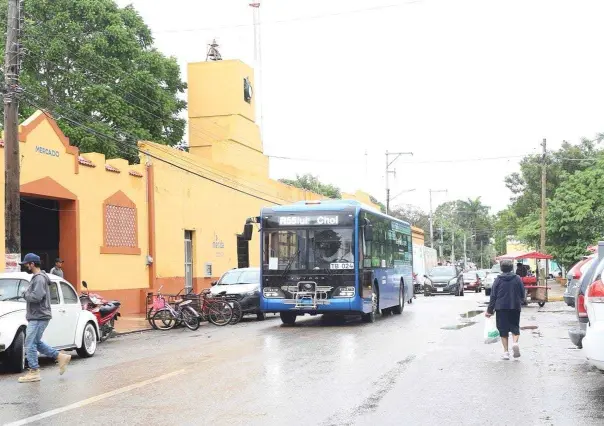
288, 318
398, 309
375, 308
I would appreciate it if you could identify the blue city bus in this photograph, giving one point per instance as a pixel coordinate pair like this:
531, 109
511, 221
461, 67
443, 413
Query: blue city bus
334, 257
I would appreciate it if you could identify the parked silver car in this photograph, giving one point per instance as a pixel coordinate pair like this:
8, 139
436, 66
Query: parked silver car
490, 279
574, 278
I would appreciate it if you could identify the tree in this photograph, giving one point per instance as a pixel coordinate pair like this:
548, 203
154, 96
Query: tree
414, 215
526, 185
465, 218
93, 63
312, 183
575, 216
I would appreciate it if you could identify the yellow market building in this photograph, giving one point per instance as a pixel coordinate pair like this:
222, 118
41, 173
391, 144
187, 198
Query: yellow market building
172, 219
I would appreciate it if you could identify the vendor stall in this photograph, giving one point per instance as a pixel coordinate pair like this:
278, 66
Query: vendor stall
535, 286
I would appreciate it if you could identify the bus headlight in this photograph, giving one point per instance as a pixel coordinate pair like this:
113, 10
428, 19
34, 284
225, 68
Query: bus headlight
271, 292
344, 292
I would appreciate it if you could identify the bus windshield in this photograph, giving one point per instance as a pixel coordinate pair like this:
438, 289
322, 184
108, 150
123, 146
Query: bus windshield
309, 249
328, 246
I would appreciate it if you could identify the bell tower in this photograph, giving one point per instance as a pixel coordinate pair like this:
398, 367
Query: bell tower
222, 119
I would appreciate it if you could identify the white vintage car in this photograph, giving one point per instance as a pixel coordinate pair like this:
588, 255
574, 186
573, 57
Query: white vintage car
71, 327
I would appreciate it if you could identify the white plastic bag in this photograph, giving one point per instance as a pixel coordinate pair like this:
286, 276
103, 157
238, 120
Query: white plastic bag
491, 334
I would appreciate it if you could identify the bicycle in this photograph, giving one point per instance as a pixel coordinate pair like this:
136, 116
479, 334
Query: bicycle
235, 306
216, 310
156, 303
169, 317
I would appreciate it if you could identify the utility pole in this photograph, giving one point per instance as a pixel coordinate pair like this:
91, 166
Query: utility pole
465, 255
543, 187
453, 247
388, 171
259, 93
480, 254
431, 220
440, 246
12, 166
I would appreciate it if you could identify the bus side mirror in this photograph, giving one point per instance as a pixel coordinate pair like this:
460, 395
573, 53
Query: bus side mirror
248, 231
369, 232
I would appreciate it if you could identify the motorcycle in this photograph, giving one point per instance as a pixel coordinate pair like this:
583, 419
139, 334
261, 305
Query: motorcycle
106, 313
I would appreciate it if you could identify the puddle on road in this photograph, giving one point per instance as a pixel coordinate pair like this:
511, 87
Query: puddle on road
529, 327
471, 314
458, 326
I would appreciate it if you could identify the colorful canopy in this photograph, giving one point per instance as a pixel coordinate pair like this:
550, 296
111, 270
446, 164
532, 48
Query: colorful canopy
524, 255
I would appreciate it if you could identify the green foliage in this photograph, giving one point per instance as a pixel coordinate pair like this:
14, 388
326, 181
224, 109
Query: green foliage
465, 217
379, 203
575, 217
505, 224
94, 63
312, 183
414, 215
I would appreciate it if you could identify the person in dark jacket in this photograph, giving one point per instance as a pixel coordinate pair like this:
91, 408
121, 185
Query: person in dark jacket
38, 314
507, 296
521, 270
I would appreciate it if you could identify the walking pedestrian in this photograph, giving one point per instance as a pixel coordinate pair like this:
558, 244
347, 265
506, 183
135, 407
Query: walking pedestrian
38, 315
506, 300
58, 268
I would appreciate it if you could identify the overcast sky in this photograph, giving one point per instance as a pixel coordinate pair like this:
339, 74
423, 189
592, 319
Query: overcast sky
446, 79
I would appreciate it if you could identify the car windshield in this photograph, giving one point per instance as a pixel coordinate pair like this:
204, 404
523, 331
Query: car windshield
443, 271
469, 276
482, 274
496, 268
240, 277
11, 289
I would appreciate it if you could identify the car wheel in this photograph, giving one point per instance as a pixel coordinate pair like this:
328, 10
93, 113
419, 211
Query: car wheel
398, 309
462, 293
541, 304
288, 318
16, 354
260, 316
426, 293
487, 291
89, 339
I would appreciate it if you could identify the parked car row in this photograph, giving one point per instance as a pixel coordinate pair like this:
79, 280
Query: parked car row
588, 332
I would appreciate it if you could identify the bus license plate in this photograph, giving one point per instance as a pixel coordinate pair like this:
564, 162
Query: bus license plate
440, 289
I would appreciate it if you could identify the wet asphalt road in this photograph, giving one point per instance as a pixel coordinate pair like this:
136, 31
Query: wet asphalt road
428, 366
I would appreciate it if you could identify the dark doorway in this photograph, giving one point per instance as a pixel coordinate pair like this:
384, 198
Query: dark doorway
243, 252
40, 229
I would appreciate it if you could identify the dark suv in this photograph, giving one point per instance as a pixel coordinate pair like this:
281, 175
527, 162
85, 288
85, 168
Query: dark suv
444, 280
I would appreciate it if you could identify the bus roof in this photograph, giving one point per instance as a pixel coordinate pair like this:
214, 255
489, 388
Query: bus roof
328, 205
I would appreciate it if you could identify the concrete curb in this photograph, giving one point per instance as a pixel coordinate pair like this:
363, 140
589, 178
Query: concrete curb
555, 298
125, 333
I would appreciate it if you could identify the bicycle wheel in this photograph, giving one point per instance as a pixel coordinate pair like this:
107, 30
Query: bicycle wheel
150, 314
220, 313
190, 319
237, 311
164, 320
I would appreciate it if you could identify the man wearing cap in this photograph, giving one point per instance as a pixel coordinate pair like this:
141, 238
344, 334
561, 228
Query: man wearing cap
507, 296
58, 268
38, 315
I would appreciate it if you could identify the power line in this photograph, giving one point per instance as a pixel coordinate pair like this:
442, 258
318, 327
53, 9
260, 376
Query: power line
46, 112
166, 150
288, 20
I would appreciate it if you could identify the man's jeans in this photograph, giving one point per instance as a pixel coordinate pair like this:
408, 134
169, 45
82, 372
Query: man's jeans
34, 343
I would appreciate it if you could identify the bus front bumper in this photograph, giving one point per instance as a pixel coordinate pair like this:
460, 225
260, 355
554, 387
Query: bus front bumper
344, 304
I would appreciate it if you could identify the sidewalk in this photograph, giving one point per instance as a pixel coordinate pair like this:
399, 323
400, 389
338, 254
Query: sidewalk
131, 324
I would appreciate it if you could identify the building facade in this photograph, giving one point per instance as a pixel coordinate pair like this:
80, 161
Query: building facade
171, 221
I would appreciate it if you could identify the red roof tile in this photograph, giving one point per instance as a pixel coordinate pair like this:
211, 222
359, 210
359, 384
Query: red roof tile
85, 162
110, 168
135, 173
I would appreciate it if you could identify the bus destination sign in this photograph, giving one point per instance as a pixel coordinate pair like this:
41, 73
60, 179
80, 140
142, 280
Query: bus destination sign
308, 220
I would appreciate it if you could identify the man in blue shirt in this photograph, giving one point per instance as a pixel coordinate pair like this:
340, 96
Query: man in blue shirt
507, 296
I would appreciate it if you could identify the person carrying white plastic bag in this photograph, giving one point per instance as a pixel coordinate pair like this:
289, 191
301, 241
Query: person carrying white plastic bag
491, 334
507, 296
